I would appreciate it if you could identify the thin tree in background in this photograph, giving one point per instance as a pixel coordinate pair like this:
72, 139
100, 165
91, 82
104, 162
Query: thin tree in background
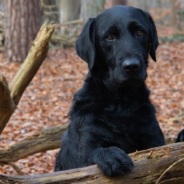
23, 23
69, 10
91, 8
110, 3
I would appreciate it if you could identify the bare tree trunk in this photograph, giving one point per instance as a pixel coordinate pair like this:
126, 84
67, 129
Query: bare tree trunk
23, 23
173, 4
2, 3
91, 8
69, 10
110, 3
50, 10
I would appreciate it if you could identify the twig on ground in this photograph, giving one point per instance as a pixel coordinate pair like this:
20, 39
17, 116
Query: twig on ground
14, 166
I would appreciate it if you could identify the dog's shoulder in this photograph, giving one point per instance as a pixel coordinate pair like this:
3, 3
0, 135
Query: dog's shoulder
91, 90
87, 99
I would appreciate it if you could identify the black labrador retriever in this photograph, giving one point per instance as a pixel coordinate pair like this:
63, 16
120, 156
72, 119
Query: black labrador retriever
112, 115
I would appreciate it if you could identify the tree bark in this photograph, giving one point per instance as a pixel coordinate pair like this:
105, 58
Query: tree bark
150, 167
110, 3
44, 140
91, 8
24, 76
7, 105
174, 13
69, 10
23, 23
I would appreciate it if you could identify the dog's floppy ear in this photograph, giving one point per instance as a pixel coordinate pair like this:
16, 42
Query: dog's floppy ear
154, 38
85, 45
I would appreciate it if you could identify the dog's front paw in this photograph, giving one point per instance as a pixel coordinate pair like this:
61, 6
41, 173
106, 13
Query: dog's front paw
112, 161
180, 137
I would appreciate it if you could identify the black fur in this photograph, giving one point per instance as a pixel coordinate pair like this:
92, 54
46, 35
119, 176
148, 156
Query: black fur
112, 115
180, 137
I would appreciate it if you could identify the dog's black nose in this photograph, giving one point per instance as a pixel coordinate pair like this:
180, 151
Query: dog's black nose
131, 65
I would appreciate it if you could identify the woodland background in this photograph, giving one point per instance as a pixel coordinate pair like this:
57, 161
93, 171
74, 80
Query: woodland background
46, 101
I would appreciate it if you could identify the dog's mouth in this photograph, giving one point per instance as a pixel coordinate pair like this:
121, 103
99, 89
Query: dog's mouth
121, 78
134, 79
129, 82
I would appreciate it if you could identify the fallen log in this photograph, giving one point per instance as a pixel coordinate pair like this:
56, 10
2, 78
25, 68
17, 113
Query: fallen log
155, 165
44, 140
23, 77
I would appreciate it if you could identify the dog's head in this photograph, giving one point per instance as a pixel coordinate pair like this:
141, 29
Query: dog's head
116, 44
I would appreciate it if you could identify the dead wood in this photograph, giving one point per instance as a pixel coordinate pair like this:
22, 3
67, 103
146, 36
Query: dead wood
44, 140
7, 105
24, 76
149, 166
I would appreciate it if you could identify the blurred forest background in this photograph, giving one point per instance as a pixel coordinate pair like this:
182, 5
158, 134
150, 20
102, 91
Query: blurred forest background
47, 100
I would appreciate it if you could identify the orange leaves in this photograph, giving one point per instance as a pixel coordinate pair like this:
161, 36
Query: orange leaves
166, 81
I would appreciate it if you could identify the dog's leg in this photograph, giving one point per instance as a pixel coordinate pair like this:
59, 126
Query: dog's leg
180, 137
112, 160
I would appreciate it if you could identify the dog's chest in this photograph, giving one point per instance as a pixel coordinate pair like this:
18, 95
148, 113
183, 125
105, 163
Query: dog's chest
121, 120
120, 114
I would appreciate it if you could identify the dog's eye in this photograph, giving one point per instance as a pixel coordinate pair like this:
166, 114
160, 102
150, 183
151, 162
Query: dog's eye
139, 33
110, 37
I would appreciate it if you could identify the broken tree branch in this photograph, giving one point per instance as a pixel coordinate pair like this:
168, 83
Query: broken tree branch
24, 76
33, 61
149, 165
44, 140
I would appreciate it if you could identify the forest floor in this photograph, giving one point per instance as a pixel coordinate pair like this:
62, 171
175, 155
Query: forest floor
46, 101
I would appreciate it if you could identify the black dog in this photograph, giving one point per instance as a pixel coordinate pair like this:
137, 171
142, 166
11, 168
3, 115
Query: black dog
112, 115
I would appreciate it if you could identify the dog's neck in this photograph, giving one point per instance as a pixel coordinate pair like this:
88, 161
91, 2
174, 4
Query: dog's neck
109, 89
127, 92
